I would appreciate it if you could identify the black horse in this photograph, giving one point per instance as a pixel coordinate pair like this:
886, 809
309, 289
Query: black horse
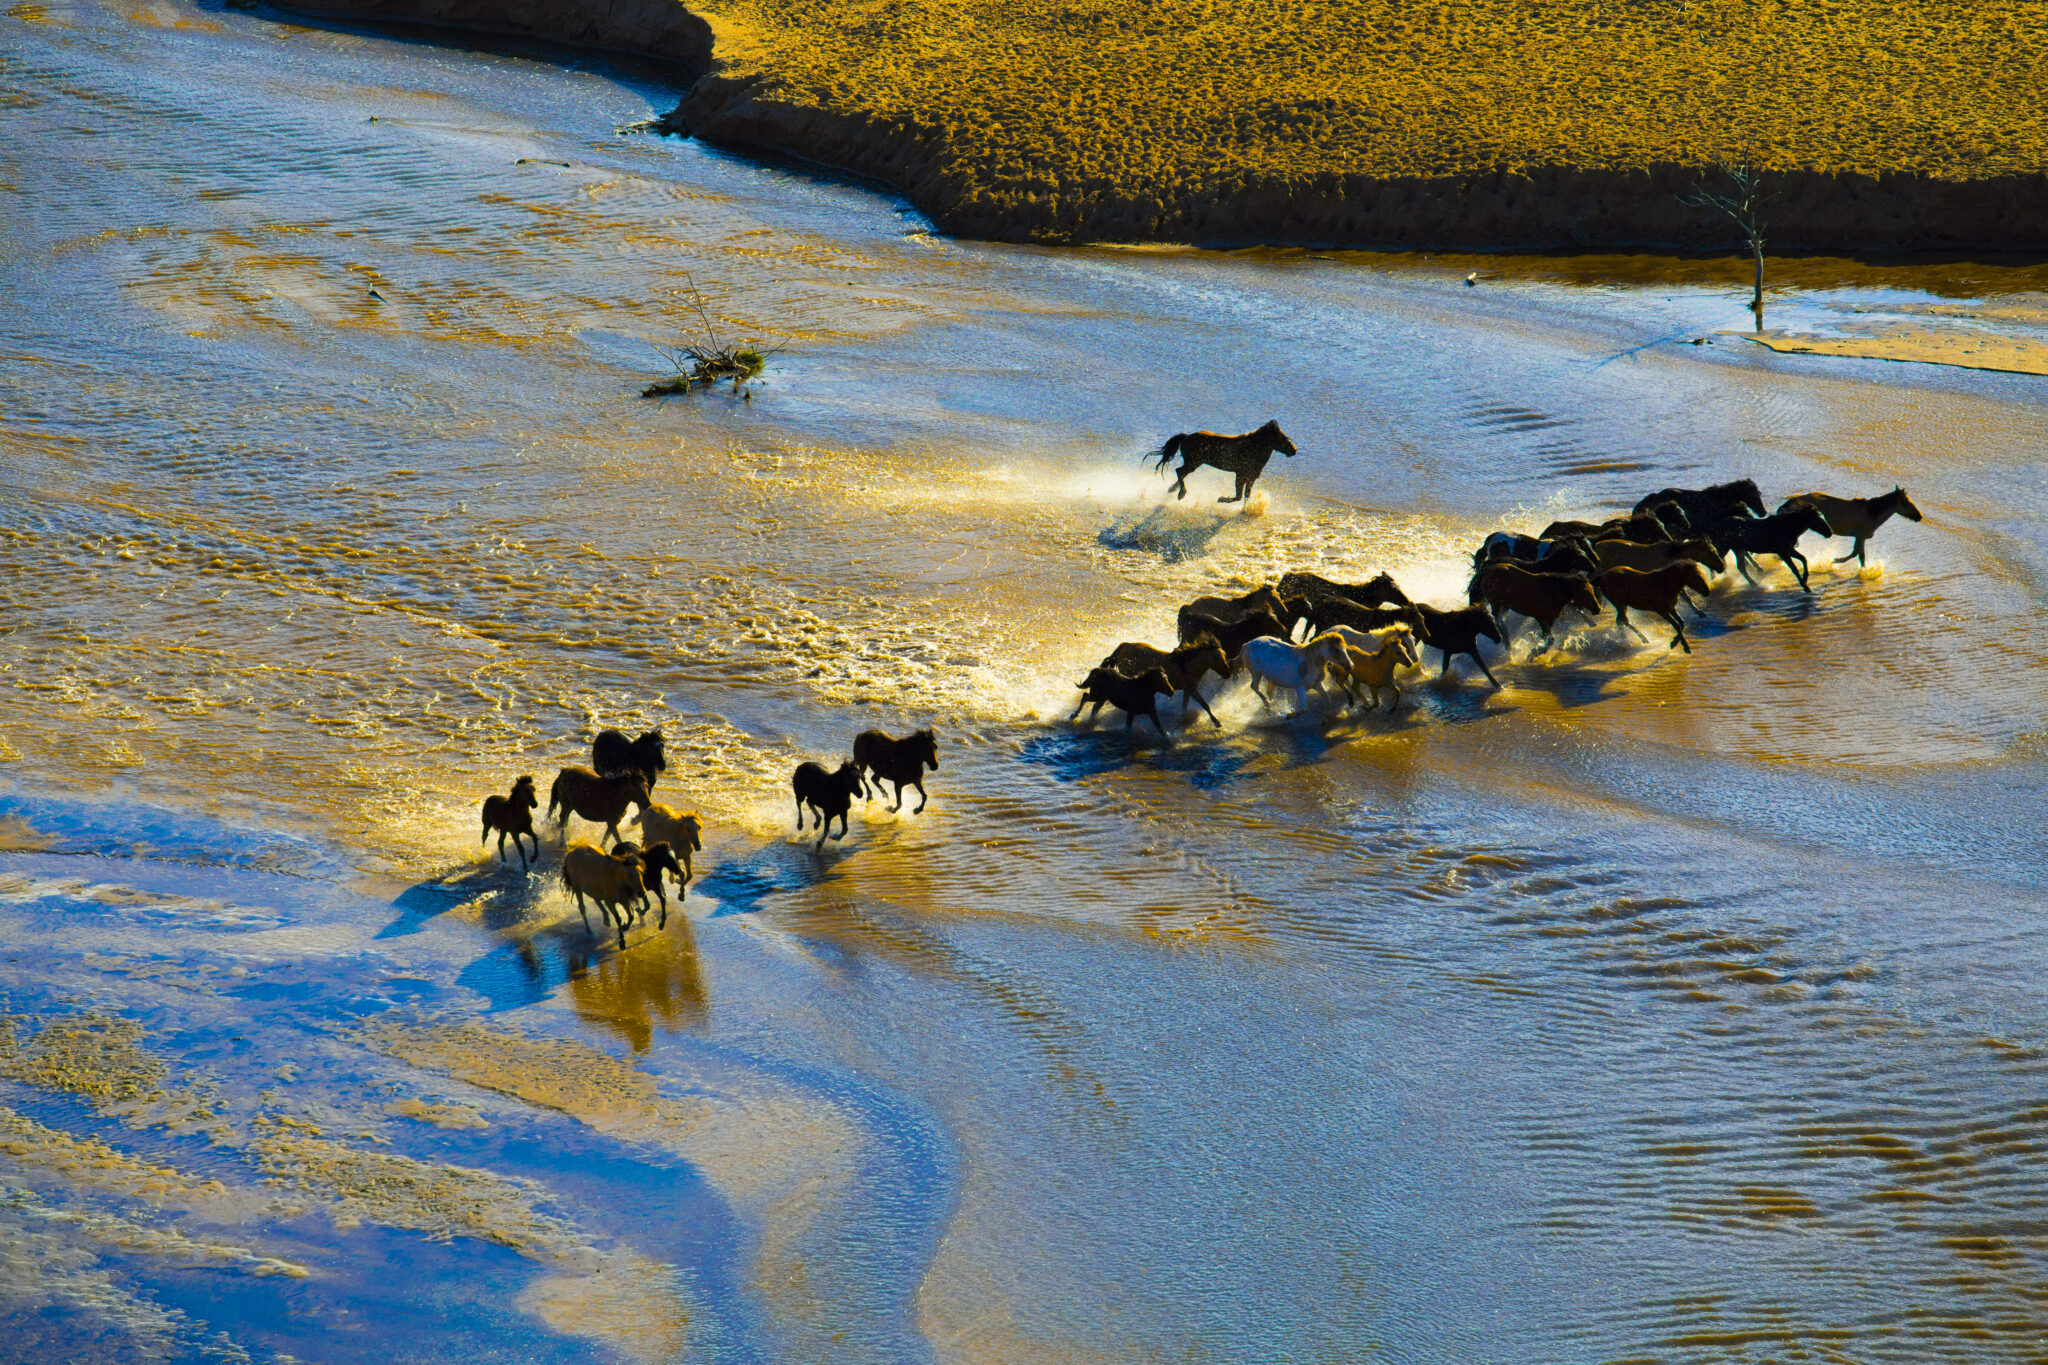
828, 794
613, 755
1244, 456
1452, 633
1704, 505
1777, 534
898, 761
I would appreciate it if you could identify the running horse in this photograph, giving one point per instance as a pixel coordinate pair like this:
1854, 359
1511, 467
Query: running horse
1244, 456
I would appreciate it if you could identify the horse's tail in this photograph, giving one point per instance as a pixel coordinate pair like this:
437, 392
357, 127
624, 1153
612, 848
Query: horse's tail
1166, 452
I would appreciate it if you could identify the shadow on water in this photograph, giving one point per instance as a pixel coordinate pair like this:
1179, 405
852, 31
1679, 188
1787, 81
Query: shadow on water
504, 895
1072, 755
1174, 534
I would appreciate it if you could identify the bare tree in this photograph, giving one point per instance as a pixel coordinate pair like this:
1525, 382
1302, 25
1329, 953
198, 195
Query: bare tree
1742, 201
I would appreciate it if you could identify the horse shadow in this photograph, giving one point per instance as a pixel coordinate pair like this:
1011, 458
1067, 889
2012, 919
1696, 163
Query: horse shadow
505, 895
1174, 534
1072, 755
742, 886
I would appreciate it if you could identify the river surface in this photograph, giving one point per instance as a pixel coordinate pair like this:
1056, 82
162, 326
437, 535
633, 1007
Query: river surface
1652, 1007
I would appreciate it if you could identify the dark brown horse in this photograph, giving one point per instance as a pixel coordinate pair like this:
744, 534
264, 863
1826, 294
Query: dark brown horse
1655, 591
1664, 521
1334, 611
600, 800
1710, 504
1237, 608
1184, 667
1244, 456
898, 761
1381, 591
1542, 597
1232, 634
1857, 517
513, 815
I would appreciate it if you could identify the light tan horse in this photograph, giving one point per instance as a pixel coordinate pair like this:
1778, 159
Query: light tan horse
1376, 670
1244, 455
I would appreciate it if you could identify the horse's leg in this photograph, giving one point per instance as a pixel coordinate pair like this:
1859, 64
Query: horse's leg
1394, 703
664, 903
1742, 565
1237, 496
1180, 479
1796, 562
899, 797
580, 908
1860, 560
1201, 701
1677, 641
1474, 652
922, 796
1621, 615
1855, 552
799, 815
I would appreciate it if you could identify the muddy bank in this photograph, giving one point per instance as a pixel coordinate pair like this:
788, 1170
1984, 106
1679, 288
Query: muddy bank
1545, 208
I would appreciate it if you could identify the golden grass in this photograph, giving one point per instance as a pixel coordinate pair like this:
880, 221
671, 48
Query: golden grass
1110, 111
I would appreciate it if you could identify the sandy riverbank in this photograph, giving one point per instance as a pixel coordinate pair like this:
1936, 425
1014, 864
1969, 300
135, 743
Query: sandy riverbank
1499, 126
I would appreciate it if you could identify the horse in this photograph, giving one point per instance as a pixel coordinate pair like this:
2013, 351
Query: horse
1458, 632
901, 761
1184, 667
1655, 591
1857, 517
1312, 589
682, 831
601, 800
513, 815
612, 882
1134, 697
1375, 668
1236, 608
1245, 456
1565, 557
1664, 521
1777, 534
1334, 611
1703, 505
1302, 667
1231, 635
1632, 554
654, 860
1542, 597
1509, 545
829, 795
611, 754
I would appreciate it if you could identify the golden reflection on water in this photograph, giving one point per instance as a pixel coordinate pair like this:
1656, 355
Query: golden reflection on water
660, 984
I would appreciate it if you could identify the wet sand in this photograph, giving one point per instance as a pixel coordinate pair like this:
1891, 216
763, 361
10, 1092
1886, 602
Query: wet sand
1652, 1006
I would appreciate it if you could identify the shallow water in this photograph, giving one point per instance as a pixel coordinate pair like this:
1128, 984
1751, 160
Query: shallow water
1654, 1007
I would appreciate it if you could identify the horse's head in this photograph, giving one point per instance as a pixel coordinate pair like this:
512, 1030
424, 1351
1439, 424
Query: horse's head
1388, 590
1406, 641
1905, 507
1696, 578
1206, 656
1582, 596
927, 748
1488, 624
1278, 438
635, 787
1154, 681
1747, 494
656, 750
1671, 517
522, 793
1476, 589
1809, 519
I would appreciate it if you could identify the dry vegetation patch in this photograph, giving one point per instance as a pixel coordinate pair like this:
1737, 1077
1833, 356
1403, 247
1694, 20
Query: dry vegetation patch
1116, 118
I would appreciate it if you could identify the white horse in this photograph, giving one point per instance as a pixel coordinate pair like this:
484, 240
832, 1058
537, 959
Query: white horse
1302, 667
